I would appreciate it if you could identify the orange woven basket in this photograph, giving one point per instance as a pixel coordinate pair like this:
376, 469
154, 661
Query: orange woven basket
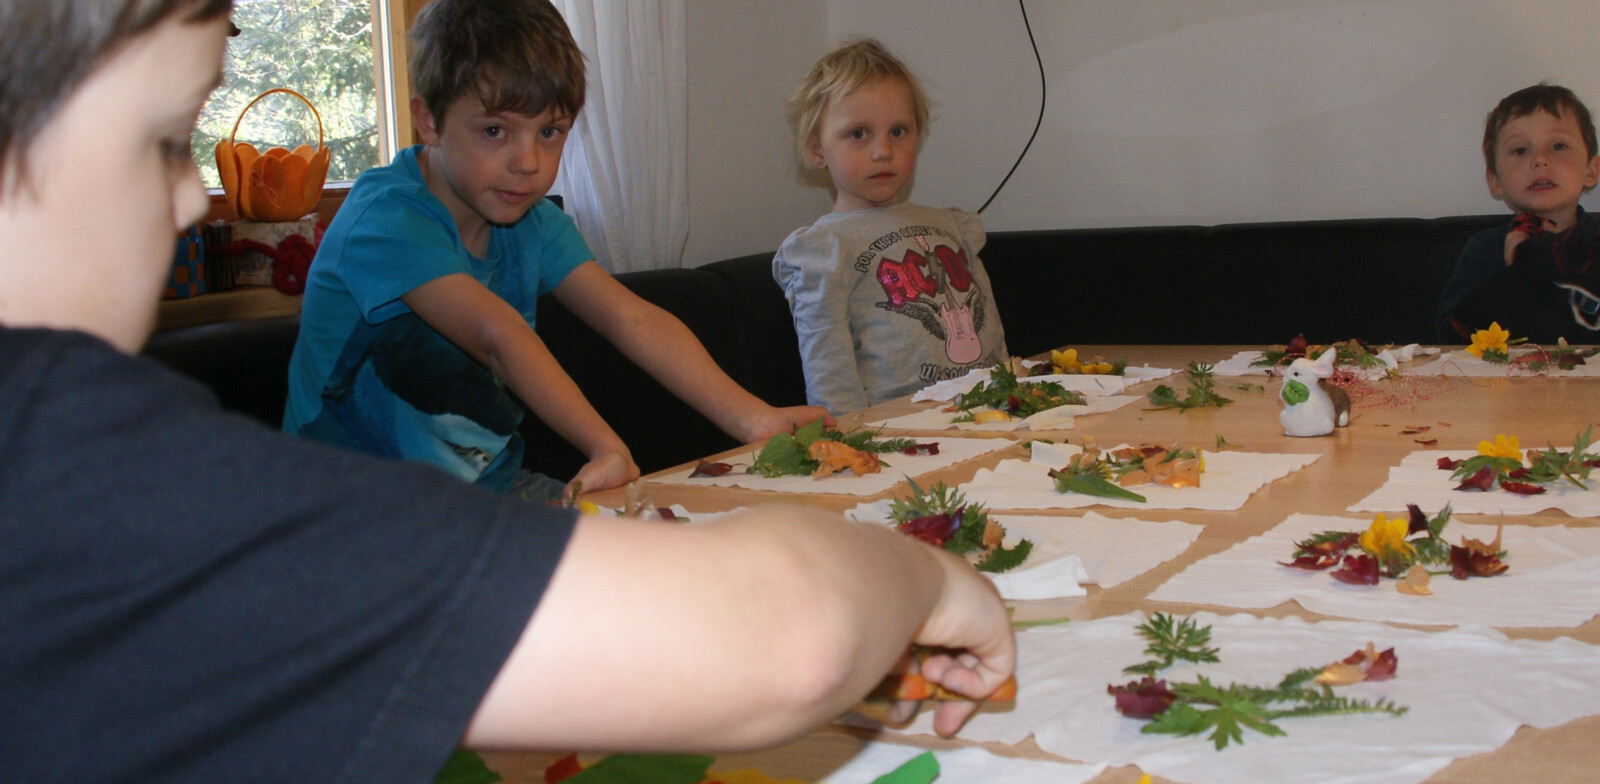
276, 185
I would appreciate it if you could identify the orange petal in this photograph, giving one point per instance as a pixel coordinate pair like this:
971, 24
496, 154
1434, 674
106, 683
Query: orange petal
1415, 582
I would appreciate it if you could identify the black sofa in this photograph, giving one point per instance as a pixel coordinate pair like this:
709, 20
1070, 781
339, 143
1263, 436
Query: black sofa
1238, 284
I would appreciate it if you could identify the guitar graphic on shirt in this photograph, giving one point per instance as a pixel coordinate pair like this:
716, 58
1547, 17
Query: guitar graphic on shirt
961, 343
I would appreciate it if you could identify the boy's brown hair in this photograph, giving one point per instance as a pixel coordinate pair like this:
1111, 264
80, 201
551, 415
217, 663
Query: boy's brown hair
840, 71
47, 49
1554, 99
513, 55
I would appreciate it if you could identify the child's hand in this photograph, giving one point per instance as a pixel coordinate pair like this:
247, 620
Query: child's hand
782, 420
1523, 226
973, 629
605, 471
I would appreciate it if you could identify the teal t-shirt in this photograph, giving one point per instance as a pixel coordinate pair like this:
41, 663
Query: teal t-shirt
369, 374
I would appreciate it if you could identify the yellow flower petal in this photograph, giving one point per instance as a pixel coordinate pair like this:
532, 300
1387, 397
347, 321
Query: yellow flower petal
1503, 446
1386, 536
1492, 339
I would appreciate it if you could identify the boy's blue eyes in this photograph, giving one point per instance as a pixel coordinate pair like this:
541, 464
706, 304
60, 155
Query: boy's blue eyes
495, 132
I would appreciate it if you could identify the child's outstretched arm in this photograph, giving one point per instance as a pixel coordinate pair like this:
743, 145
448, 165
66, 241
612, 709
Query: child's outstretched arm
495, 334
641, 643
658, 342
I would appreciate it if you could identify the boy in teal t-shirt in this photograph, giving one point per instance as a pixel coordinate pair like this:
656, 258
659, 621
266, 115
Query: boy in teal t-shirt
416, 337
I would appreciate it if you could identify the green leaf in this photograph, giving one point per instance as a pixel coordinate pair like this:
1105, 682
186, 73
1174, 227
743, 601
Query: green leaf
645, 769
921, 769
1088, 484
465, 767
1002, 559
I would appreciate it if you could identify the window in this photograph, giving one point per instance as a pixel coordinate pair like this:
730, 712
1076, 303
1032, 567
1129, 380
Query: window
322, 49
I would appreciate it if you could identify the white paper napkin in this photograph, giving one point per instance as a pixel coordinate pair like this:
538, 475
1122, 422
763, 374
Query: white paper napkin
1460, 363
1069, 552
1058, 418
838, 758
1554, 579
1229, 480
1085, 384
952, 450
1455, 683
1241, 364
1419, 480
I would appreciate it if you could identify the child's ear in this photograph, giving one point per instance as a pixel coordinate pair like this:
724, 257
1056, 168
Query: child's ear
814, 153
1495, 189
423, 122
1591, 175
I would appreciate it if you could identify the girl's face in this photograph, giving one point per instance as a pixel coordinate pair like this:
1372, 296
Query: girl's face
867, 140
90, 235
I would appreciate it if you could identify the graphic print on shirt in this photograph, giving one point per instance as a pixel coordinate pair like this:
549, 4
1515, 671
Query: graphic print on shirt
936, 288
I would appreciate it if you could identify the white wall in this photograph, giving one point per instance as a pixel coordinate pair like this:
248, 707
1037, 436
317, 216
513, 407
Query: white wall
1157, 111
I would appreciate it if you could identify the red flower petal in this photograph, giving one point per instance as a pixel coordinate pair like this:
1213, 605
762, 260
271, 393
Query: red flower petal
1419, 521
1383, 667
929, 448
1483, 480
935, 529
1312, 563
1358, 570
1521, 488
1426, 441
562, 769
1467, 562
1446, 464
1142, 699
710, 469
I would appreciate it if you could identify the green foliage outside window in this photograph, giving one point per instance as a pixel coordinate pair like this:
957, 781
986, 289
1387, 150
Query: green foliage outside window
321, 49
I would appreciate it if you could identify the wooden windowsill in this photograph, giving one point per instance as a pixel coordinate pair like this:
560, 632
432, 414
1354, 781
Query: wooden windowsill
245, 302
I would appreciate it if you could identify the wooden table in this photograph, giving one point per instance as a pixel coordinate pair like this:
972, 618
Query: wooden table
1457, 412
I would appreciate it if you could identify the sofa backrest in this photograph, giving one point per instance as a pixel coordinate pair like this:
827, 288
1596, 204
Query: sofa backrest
1244, 284
1238, 284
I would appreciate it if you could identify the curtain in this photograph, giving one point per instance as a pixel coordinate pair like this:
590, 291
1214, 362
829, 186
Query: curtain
624, 169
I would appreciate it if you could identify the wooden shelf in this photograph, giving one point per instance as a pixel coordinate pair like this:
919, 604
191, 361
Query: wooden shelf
245, 302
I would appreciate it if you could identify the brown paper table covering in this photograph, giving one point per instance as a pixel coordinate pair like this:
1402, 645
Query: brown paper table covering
1394, 418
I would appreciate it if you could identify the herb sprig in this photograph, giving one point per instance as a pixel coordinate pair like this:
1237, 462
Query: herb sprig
1201, 706
1202, 391
1020, 399
942, 517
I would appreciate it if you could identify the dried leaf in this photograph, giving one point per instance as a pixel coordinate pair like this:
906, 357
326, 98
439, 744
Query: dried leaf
1477, 559
706, 468
833, 457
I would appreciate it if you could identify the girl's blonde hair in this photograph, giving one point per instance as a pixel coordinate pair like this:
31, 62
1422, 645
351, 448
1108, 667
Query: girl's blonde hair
840, 71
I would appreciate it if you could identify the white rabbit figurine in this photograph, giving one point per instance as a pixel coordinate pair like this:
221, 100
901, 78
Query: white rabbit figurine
1311, 405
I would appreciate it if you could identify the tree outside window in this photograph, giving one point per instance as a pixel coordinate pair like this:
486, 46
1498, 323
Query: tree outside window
321, 49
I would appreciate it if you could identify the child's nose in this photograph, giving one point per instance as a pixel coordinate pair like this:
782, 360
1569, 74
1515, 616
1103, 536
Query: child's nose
528, 160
